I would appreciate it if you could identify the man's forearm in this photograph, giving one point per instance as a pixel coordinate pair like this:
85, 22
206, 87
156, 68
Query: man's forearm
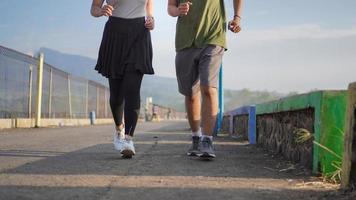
238, 7
173, 11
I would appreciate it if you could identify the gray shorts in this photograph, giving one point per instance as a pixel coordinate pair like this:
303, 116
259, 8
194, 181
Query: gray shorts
198, 66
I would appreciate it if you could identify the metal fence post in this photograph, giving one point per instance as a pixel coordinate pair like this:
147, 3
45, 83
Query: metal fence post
106, 103
86, 99
69, 98
39, 91
97, 101
30, 92
50, 93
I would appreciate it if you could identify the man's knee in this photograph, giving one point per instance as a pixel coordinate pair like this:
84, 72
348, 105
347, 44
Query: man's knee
193, 98
208, 91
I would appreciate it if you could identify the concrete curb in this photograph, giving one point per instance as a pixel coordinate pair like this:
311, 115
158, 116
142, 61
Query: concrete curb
29, 123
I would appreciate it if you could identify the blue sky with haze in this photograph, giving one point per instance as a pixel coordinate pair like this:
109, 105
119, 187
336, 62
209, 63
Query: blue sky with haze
285, 45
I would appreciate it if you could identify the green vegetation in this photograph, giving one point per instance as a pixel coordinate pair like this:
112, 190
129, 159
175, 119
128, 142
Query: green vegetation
303, 135
236, 98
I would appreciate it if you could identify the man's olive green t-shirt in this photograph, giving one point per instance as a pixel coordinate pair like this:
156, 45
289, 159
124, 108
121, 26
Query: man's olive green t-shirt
205, 24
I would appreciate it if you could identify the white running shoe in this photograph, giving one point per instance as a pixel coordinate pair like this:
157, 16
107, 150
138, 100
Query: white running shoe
128, 149
119, 141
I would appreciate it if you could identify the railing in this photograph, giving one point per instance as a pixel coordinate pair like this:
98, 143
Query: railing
63, 95
27, 93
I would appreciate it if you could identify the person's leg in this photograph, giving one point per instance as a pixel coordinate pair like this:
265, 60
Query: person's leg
209, 109
209, 67
117, 101
193, 108
117, 108
132, 84
209, 112
189, 86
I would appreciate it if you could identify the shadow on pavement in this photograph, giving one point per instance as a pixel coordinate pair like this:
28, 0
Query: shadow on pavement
54, 193
157, 155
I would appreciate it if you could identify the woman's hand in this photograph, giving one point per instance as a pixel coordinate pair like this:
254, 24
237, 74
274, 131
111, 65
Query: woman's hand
106, 10
150, 23
98, 10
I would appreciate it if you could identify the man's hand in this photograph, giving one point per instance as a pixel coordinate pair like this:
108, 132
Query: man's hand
234, 25
183, 8
150, 23
106, 10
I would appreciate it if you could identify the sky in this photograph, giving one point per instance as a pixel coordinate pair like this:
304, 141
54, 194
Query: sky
284, 45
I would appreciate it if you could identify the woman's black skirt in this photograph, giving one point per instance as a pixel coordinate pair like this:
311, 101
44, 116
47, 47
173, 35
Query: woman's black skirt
125, 46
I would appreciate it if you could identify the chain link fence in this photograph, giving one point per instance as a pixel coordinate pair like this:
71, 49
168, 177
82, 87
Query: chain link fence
63, 95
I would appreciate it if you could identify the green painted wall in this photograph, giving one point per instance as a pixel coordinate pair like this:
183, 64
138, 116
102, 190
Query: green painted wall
296, 102
333, 112
329, 113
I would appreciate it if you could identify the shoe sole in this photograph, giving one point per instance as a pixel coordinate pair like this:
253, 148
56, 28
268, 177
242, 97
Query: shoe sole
192, 154
206, 155
127, 153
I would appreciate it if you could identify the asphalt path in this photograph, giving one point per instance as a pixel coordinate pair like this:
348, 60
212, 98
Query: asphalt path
81, 163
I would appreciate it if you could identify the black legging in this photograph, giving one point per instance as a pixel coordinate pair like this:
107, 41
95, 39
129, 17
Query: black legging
125, 97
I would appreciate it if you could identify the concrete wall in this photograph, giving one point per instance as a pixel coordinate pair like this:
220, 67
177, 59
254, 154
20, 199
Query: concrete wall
29, 123
328, 125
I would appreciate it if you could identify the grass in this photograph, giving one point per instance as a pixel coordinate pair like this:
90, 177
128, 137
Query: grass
303, 135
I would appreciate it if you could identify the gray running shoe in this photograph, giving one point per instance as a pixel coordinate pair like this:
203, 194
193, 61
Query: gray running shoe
206, 149
194, 149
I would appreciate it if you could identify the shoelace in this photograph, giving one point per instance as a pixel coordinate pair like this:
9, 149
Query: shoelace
206, 143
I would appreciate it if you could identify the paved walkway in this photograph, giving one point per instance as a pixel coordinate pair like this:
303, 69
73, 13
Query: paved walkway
80, 163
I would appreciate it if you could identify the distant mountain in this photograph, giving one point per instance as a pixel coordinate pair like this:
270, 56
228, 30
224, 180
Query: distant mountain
236, 98
163, 90
73, 64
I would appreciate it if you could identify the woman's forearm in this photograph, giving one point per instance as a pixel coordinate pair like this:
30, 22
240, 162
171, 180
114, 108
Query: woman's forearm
95, 10
149, 8
172, 8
